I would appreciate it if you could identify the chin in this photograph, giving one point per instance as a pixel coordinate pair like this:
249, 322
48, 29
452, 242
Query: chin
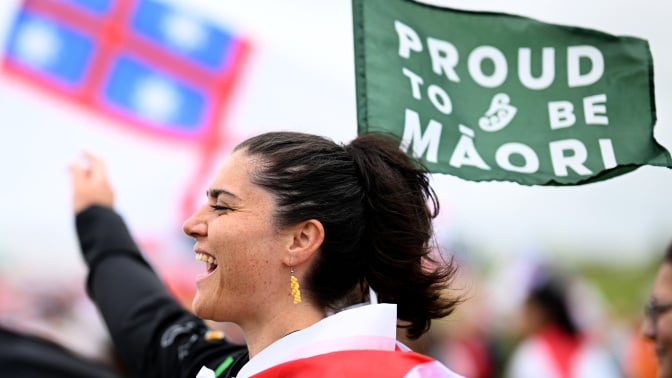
200, 309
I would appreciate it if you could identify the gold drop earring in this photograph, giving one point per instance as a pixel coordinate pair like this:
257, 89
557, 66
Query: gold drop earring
294, 283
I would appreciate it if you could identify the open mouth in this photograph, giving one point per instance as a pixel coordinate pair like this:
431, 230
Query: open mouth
210, 262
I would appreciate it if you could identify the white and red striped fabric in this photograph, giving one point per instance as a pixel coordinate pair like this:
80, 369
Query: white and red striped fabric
357, 342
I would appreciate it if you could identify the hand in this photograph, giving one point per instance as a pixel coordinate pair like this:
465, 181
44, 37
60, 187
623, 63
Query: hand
90, 185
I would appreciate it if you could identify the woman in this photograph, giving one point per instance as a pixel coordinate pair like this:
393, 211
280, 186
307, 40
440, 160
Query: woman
555, 343
296, 233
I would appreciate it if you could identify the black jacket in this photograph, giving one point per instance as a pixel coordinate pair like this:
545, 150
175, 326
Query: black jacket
153, 334
27, 356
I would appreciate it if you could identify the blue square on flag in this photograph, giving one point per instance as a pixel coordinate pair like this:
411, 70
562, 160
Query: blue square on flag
54, 51
141, 61
135, 87
176, 32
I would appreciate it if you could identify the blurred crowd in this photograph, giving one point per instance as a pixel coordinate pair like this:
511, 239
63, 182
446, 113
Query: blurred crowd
531, 320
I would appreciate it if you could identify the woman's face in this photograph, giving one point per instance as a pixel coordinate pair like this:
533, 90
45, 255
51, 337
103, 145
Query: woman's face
243, 250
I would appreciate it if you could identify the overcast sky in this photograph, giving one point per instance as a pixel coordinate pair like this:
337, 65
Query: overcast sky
301, 77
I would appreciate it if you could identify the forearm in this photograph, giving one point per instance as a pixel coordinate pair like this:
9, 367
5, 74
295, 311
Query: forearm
120, 280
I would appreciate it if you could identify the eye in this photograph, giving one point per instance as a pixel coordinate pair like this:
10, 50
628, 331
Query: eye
220, 208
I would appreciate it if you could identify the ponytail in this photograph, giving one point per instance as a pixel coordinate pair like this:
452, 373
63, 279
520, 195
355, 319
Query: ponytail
398, 240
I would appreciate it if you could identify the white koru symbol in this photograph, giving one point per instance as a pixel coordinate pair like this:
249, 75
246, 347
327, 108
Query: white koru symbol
499, 114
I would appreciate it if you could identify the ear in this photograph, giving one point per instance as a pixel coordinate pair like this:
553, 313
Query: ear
307, 238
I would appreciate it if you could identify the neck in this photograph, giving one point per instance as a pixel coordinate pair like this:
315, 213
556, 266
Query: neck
264, 331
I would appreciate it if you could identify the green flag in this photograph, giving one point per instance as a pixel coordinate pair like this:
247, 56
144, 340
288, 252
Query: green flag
491, 96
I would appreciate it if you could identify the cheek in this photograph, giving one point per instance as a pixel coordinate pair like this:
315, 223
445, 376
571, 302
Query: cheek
239, 270
664, 330
245, 254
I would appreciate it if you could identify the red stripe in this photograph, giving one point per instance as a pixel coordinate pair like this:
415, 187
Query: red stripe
109, 42
113, 34
39, 79
563, 348
213, 139
77, 18
351, 364
191, 71
134, 126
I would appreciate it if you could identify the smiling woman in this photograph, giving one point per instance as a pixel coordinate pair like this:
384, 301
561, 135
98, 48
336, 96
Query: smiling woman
302, 238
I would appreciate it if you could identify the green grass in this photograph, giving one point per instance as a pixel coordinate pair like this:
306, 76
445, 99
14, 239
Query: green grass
625, 289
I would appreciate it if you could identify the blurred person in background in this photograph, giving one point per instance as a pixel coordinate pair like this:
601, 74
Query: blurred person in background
469, 349
23, 355
554, 345
657, 324
48, 328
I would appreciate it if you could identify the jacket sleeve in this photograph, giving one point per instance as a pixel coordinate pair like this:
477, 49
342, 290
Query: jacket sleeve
154, 335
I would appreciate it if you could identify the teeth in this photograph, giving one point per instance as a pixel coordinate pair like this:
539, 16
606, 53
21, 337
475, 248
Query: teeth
209, 260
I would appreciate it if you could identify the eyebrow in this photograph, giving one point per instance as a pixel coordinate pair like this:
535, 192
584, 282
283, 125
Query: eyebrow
215, 193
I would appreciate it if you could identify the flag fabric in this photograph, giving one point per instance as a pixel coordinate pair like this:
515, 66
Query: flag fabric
491, 96
144, 62
350, 343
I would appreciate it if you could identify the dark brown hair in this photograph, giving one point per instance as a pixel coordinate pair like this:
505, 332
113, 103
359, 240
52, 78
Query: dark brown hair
376, 206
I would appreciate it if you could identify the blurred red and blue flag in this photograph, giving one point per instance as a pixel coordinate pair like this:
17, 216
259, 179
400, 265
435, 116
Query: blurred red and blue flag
145, 62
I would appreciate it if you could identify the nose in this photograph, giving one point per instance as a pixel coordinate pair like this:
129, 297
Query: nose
648, 328
195, 225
